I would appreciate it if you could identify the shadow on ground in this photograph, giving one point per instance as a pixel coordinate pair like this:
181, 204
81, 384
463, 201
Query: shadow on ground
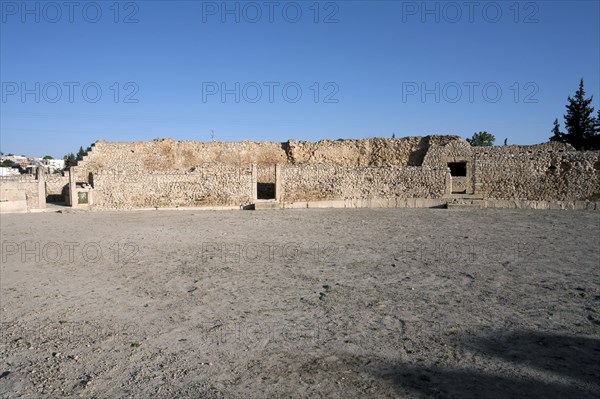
559, 366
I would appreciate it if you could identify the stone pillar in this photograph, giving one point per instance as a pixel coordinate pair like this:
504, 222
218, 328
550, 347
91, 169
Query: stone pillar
41, 180
254, 184
448, 182
278, 183
473, 177
72, 187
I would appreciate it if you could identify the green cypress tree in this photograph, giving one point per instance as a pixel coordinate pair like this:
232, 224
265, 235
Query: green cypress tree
579, 120
557, 135
594, 141
70, 160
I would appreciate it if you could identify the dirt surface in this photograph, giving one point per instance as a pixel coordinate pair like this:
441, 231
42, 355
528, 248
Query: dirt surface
301, 303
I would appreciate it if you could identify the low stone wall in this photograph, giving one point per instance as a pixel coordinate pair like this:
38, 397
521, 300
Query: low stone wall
441, 203
26, 185
538, 173
327, 182
205, 185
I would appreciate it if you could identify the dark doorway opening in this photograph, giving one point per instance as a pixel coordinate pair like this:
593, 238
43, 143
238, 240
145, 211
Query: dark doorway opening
458, 169
55, 199
58, 199
265, 191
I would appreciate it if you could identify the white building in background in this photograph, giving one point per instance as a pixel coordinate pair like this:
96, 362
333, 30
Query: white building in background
8, 171
54, 164
15, 158
29, 164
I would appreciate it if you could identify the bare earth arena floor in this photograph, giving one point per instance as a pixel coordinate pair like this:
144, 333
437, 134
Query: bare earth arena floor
301, 303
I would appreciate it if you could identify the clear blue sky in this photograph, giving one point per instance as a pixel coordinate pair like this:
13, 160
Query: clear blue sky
371, 62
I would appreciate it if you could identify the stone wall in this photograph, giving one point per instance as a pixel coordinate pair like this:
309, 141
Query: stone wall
170, 155
169, 173
439, 156
24, 184
329, 182
213, 184
56, 184
542, 172
545, 172
408, 151
167, 154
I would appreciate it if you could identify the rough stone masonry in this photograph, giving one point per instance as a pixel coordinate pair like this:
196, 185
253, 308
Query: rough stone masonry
431, 171
412, 171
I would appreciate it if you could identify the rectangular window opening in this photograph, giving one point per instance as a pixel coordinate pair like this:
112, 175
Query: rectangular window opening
458, 169
265, 191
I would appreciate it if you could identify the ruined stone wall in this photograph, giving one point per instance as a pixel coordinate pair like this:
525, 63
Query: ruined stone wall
213, 184
545, 172
171, 155
408, 151
550, 171
167, 155
23, 183
167, 173
56, 184
441, 155
328, 182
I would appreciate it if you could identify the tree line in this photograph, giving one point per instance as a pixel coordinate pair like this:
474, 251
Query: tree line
71, 159
582, 127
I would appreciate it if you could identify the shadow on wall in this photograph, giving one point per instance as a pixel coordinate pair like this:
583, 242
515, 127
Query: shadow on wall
285, 146
550, 357
416, 157
59, 199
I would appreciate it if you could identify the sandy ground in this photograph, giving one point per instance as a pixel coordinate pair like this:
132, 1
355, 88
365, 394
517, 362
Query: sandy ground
301, 303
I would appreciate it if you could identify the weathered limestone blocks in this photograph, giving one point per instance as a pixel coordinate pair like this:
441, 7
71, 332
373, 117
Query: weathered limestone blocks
332, 182
546, 172
208, 184
407, 151
169, 173
56, 183
18, 189
168, 154
12, 200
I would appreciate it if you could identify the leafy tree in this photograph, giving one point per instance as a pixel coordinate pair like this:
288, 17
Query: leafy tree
48, 157
582, 127
557, 135
482, 139
7, 163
